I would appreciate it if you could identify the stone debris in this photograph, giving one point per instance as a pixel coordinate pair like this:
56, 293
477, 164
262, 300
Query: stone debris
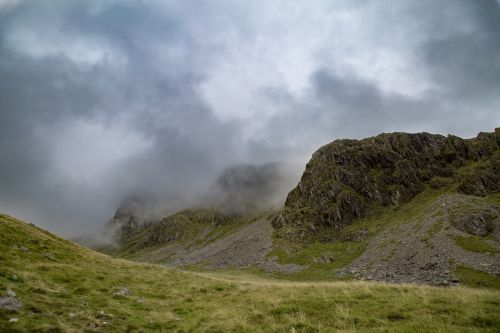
10, 303
324, 259
103, 315
49, 256
275, 267
121, 291
422, 250
91, 325
244, 248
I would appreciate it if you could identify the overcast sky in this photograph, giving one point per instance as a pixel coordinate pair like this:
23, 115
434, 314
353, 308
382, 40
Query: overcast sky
101, 99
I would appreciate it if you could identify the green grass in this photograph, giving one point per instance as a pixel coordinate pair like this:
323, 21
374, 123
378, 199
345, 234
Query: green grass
304, 254
74, 290
493, 198
476, 279
475, 244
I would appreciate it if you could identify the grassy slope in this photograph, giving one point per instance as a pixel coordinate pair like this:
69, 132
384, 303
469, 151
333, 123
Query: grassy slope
68, 291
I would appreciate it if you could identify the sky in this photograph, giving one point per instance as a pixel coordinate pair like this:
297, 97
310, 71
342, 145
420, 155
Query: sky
102, 99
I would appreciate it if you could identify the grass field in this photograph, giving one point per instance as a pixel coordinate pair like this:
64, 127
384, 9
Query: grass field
67, 288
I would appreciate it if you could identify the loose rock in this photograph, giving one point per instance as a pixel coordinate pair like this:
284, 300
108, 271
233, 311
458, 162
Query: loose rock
121, 292
324, 259
49, 256
10, 303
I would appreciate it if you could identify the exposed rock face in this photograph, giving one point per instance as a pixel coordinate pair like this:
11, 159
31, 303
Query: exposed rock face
478, 220
350, 179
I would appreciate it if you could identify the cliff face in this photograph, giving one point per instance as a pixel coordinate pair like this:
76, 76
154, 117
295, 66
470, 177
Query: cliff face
350, 179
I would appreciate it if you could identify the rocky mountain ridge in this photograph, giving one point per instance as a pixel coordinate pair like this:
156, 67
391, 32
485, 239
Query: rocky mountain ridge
352, 179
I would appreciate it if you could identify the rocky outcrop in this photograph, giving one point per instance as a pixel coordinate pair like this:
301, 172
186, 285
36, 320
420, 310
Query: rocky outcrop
478, 219
350, 179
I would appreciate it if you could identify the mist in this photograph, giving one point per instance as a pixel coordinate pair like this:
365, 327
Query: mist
105, 100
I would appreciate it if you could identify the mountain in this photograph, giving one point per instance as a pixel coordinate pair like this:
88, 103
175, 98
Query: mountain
351, 179
410, 207
398, 207
228, 219
48, 284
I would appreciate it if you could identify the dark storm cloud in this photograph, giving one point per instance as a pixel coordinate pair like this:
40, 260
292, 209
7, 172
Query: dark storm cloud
104, 99
468, 64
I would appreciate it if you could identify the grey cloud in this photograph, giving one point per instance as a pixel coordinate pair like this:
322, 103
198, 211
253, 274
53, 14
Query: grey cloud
468, 64
139, 71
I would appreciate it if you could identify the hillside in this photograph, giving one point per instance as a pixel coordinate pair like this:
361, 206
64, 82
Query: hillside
405, 208
398, 207
48, 284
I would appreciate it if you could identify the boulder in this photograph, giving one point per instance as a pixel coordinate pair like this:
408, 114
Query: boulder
10, 303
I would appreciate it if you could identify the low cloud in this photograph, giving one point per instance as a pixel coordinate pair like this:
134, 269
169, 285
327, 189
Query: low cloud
100, 100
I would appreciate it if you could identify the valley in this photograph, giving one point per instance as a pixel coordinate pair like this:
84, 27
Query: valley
395, 233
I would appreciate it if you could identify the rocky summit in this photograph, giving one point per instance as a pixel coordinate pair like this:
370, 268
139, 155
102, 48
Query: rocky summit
348, 180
